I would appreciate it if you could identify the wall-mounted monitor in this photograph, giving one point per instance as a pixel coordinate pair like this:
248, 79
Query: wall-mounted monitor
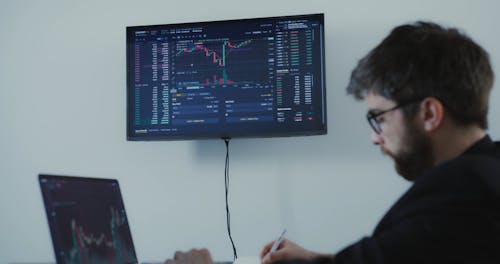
261, 77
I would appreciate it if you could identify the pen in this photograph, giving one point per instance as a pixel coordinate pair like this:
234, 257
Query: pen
277, 242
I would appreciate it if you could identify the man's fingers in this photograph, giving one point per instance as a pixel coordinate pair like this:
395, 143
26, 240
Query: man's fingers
179, 255
271, 257
266, 249
194, 256
277, 255
182, 257
206, 256
169, 261
200, 256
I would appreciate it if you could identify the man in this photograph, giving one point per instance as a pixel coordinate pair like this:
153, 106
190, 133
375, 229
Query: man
427, 91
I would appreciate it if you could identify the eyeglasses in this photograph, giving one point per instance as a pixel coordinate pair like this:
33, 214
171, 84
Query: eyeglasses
372, 117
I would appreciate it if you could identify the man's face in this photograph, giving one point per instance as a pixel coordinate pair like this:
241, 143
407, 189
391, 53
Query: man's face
401, 138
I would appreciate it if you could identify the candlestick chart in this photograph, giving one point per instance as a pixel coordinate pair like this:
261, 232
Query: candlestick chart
107, 246
221, 62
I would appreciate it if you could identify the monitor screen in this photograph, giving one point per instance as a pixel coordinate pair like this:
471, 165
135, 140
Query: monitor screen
259, 77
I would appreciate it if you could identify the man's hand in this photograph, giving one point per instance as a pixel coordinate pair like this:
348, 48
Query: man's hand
287, 250
194, 256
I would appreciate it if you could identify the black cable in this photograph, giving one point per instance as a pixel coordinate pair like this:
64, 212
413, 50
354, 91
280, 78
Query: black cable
226, 180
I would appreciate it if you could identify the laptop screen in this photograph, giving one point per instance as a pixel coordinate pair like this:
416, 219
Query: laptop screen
87, 220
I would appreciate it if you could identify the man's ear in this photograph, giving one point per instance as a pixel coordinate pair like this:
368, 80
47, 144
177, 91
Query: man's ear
431, 113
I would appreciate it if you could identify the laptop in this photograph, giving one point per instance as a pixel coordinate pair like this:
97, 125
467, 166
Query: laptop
87, 220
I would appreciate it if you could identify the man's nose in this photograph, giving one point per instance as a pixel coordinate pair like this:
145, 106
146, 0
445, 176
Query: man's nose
376, 138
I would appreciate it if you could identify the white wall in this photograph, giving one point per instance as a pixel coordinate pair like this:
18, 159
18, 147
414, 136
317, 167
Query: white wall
62, 111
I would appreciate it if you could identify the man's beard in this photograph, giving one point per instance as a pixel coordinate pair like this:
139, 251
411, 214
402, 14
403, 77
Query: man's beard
415, 156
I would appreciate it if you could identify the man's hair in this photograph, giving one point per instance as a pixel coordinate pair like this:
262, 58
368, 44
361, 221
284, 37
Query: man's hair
422, 60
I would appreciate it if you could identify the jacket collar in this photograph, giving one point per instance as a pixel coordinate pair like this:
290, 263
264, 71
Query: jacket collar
484, 145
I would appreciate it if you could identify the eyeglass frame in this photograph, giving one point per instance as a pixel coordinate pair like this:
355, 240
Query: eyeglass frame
372, 118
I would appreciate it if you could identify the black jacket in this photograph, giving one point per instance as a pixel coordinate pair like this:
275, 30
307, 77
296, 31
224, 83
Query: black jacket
451, 214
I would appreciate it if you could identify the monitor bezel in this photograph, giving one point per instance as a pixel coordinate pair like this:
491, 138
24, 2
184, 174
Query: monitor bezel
130, 136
